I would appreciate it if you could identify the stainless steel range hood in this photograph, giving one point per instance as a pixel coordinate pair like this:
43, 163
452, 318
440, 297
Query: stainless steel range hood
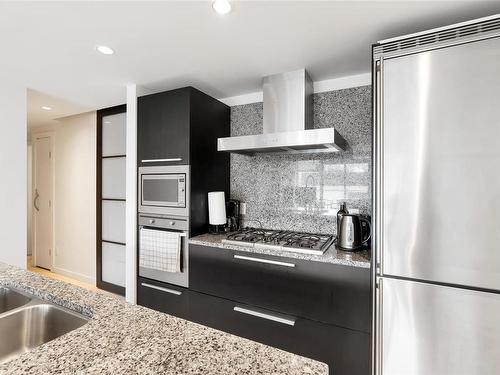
288, 120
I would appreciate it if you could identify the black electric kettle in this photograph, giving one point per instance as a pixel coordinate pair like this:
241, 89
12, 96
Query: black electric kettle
350, 232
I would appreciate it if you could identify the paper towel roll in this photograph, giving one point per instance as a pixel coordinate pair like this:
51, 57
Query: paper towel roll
216, 208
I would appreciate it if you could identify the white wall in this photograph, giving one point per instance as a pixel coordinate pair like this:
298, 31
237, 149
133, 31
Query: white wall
75, 192
13, 182
131, 204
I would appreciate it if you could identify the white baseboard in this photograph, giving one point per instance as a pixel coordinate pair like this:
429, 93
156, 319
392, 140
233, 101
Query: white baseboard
74, 275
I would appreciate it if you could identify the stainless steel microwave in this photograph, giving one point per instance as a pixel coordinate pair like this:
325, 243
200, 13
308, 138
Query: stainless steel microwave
164, 190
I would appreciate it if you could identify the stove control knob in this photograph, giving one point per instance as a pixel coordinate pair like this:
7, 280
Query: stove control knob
172, 223
151, 221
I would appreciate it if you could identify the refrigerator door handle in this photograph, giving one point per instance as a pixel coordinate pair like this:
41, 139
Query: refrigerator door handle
379, 172
378, 328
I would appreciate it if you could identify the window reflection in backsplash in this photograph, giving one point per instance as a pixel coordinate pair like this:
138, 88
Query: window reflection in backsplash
303, 191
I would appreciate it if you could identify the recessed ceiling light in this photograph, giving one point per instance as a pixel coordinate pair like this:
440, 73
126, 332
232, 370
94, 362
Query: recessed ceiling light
221, 6
107, 122
47, 108
105, 50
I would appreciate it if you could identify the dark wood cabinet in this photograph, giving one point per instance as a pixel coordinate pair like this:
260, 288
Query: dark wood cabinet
170, 299
163, 127
243, 292
317, 310
327, 293
181, 127
347, 352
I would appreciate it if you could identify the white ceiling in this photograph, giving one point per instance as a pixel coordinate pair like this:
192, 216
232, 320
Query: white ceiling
37, 116
49, 46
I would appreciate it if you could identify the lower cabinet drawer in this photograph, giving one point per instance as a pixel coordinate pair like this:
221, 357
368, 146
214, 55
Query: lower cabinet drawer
163, 297
345, 351
329, 293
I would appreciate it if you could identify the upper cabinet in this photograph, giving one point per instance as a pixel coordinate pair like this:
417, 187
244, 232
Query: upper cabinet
181, 127
163, 127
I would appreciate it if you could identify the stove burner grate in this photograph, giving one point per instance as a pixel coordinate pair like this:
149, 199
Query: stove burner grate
287, 240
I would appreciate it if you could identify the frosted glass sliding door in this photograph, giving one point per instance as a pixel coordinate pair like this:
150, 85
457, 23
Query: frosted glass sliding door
111, 159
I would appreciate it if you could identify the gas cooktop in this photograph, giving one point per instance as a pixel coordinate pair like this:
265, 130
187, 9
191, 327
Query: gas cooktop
298, 242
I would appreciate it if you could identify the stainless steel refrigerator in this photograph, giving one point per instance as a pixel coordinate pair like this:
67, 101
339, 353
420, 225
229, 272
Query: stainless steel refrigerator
437, 201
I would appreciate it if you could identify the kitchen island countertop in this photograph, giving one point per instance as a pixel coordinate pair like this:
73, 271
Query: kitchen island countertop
332, 255
121, 338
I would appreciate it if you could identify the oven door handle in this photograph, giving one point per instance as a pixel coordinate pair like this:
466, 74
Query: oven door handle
179, 232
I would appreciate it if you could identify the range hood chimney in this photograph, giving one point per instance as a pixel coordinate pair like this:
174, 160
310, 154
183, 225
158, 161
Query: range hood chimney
288, 120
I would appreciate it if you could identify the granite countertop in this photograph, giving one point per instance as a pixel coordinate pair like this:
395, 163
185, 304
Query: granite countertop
125, 339
332, 255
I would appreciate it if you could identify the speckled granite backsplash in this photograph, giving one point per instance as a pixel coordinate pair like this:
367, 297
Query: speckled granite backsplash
303, 192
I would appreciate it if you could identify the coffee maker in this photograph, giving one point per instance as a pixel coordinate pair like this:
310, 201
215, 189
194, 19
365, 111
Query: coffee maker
233, 215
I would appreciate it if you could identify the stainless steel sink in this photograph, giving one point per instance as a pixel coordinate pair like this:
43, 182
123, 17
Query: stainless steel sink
34, 324
10, 299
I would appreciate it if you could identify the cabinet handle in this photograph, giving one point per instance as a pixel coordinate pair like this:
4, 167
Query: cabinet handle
158, 160
171, 291
261, 260
280, 319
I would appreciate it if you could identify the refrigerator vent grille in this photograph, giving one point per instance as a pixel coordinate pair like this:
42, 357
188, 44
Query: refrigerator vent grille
438, 37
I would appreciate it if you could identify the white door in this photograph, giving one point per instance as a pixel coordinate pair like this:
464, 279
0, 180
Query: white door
42, 203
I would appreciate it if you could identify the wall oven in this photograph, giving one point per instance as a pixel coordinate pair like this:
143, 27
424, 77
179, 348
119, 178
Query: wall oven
164, 190
158, 227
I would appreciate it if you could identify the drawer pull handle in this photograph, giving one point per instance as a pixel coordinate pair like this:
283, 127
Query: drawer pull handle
171, 291
259, 314
268, 261
159, 160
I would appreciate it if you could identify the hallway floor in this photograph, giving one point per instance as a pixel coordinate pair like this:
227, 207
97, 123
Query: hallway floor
52, 275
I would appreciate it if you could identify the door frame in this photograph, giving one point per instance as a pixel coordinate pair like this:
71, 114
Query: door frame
29, 197
52, 136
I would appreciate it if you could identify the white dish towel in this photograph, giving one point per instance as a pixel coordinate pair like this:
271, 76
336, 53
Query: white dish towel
160, 250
